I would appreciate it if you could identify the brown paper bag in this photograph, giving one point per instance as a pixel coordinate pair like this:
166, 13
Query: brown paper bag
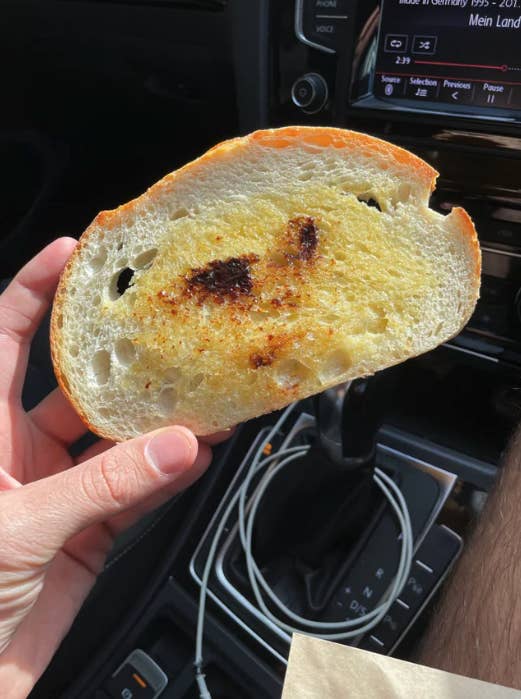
320, 669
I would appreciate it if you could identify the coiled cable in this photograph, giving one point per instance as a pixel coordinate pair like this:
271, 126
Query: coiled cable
247, 510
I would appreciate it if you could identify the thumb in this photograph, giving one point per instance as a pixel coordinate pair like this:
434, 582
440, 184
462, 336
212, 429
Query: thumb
46, 513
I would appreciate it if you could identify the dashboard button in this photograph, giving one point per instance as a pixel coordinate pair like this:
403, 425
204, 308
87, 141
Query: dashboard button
396, 43
323, 24
390, 85
419, 584
336, 7
492, 94
138, 677
303, 92
425, 45
422, 88
129, 684
326, 31
310, 93
393, 624
457, 91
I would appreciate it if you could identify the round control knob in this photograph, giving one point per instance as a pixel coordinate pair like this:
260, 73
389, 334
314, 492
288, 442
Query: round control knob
309, 93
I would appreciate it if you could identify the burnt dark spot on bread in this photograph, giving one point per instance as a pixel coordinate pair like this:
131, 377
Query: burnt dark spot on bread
276, 282
124, 280
258, 359
303, 236
274, 348
222, 279
308, 237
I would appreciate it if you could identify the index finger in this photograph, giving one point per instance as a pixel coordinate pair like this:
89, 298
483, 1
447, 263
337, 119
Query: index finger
22, 307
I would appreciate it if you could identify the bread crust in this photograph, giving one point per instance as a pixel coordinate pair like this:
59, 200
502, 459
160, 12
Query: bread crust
466, 226
287, 137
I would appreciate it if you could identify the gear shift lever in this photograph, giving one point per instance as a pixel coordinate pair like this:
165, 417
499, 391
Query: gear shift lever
348, 424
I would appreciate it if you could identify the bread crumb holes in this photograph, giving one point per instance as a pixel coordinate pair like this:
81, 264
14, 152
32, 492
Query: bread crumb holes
179, 213
125, 351
335, 365
144, 259
167, 401
120, 282
173, 374
101, 367
290, 372
196, 381
370, 201
97, 262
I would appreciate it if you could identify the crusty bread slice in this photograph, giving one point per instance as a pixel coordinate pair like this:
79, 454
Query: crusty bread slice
271, 268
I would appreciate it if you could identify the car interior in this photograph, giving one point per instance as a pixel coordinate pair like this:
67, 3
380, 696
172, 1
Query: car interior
104, 97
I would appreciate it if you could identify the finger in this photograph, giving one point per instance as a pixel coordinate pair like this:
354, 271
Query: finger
92, 545
119, 523
123, 521
56, 417
40, 517
22, 307
218, 437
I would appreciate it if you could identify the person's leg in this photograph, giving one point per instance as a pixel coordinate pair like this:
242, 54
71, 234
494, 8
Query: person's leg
477, 629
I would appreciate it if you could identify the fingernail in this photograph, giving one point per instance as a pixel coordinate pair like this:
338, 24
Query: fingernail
170, 452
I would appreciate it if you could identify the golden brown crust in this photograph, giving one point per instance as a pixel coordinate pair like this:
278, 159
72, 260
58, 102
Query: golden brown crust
466, 226
55, 338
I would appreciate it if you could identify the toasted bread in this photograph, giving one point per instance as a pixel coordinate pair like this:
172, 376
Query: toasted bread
271, 268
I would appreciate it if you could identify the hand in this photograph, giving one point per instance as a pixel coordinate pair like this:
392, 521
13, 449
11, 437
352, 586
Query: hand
59, 516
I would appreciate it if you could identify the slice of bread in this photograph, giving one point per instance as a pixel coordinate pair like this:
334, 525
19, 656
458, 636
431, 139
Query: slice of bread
271, 268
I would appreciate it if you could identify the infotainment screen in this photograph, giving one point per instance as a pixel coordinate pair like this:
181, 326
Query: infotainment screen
464, 53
